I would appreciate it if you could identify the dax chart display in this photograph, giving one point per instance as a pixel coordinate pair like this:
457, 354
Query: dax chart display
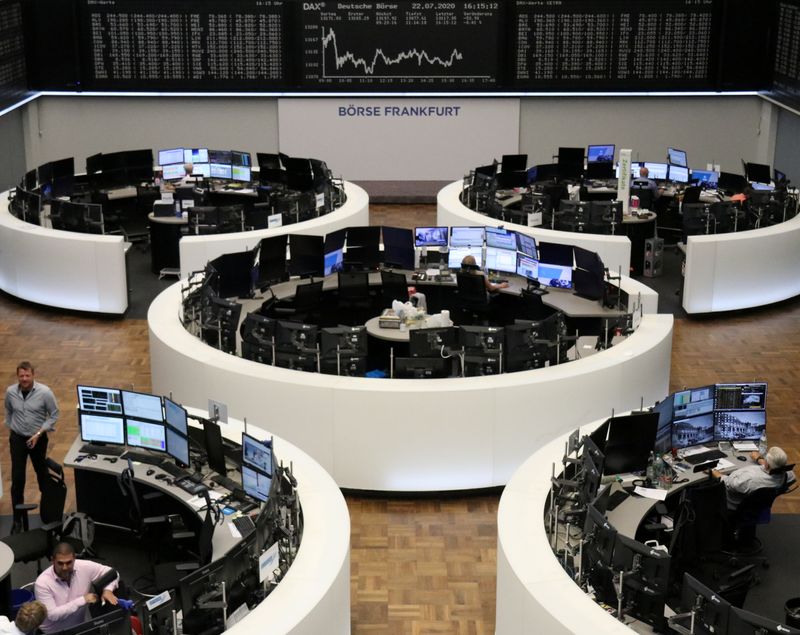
419, 45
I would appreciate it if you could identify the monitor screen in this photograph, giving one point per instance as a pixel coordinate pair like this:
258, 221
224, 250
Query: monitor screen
677, 157
758, 173
220, 170
240, 158
503, 260
99, 428
466, 236
334, 261
142, 406
501, 238
678, 174
603, 154
630, 440
145, 434
215, 451
100, 400
171, 156
706, 177
741, 622
430, 236
526, 245
429, 342
740, 396
527, 267
692, 402
664, 431
173, 172
556, 254
175, 416
555, 275
257, 454
219, 156
195, 155
658, 171
240, 173
514, 162
692, 431
256, 484
457, 255
739, 425
177, 446
398, 247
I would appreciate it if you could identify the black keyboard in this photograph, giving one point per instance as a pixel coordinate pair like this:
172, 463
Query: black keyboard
190, 487
702, 457
142, 457
173, 470
227, 483
108, 450
245, 525
615, 499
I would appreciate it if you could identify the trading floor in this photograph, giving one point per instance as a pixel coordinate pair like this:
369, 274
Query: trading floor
418, 565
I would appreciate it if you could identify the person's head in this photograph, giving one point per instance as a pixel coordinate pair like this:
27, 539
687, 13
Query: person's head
775, 459
25, 375
30, 616
188, 168
469, 262
644, 172
63, 560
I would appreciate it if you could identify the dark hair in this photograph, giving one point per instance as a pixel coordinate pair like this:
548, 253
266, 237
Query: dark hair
63, 548
24, 366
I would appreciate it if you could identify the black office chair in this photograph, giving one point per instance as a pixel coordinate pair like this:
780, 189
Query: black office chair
394, 286
646, 197
691, 195
35, 544
729, 217
354, 296
697, 219
304, 306
167, 574
472, 299
150, 530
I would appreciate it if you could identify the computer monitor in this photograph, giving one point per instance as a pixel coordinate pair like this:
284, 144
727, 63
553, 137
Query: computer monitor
600, 537
219, 156
711, 610
591, 475
271, 260
740, 396
257, 352
175, 416
101, 429
649, 566
257, 454
173, 172
692, 431
255, 484
194, 155
758, 173
363, 247
398, 247
456, 256
705, 177
466, 236
429, 342
600, 170
556, 254
305, 361
146, 434
657, 171
171, 156
600, 153
502, 260
115, 622
306, 255
178, 447
421, 367
570, 157
295, 337
220, 171
513, 162
100, 400
141, 405
524, 347
239, 173
192, 589
663, 442
347, 340
527, 267
215, 451
554, 275
430, 236
234, 273
526, 245
257, 328
678, 174
630, 440
692, 402
741, 622
501, 238
481, 339
241, 159
677, 157
731, 182
739, 425
778, 176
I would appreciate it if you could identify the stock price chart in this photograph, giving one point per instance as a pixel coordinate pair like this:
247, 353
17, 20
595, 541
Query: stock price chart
13, 84
786, 86
414, 45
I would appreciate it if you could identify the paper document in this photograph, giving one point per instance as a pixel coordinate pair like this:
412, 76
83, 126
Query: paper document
745, 446
695, 450
648, 492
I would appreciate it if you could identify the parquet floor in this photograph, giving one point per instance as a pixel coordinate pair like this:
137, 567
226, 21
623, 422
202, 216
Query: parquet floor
426, 566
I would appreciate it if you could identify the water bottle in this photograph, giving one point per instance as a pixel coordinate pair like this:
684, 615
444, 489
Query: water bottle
651, 475
762, 444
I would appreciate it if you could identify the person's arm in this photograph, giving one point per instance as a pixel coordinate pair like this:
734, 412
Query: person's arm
55, 612
52, 412
493, 288
9, 409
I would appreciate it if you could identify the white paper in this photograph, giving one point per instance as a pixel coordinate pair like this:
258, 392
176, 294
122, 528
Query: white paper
648, 492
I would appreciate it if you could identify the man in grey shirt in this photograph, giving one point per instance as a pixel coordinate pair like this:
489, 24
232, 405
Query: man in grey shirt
766, 471
31, 411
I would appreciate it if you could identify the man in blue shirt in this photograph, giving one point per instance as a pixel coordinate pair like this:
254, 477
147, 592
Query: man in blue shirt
31, 411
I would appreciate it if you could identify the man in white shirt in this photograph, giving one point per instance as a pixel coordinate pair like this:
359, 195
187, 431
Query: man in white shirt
765, 472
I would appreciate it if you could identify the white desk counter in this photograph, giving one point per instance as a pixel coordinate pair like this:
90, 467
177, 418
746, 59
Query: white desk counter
614, 251
412, 434
745, 269
196, 251
68, 270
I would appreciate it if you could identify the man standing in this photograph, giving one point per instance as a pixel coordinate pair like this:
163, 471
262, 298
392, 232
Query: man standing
66, 588
31, 411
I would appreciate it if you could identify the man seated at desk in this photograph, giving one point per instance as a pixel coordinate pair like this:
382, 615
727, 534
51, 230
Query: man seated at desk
767, 471
644, 181
469, 265
65, 588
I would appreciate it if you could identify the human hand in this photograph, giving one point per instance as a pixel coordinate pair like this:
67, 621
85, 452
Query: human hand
90, 598
503, 285
716, 473
109, 597
755, 456
31, 442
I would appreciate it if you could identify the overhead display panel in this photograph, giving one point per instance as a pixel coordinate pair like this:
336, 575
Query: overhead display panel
786, 76
400, 45
13, 83
177, 45
613, 45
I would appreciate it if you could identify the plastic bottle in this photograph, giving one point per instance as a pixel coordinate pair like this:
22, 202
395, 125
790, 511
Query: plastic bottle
762, 444
651, 475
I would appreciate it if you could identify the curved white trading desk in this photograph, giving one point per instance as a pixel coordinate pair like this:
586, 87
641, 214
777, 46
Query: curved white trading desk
69, 270
314, 595
412, 434
614, 251
196, 251
534, 593
742, 270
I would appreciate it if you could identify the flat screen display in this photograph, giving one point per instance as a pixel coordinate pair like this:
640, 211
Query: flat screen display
334, 261
176, 417
707, 177
696, 401
677, 157
145, 434
501, 238
664, 431
142, 405
171, 156
202, 169
600, 154
219, 156
255, 484
173, 172
741, 396
99, 428
100, 400
240, 173
466, 236
503, 260
257, 454
527, 267
526, 245
195, 155
678, 174
177, 446
555, 275
692, 431
739, 425
430, 236
658, 171
457, 255
240, 158
220, 170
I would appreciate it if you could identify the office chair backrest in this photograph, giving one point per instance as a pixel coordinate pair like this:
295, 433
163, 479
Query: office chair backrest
691, 195
308, 296
353, 284
204, 540
646, 196
394, 286
472, 288
54, 496
755, 507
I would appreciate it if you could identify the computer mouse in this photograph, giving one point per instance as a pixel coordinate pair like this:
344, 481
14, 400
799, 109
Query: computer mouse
150, 472
741, 458
161, 477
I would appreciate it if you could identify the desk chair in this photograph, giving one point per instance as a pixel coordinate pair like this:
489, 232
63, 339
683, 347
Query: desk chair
35, 544
167, 574
143, 527
729, 217
697, 219
393, 287
646, 197
354, 296
691, 195
472, 298
304, 306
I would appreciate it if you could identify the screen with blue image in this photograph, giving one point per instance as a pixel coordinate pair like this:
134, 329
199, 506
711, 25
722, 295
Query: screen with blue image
677, 157
527, 267
603, 153
559, 276
708, 177
501, 238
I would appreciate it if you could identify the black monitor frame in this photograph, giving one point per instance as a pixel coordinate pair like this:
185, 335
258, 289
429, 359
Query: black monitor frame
630, 441
711, 610
429, 342
215, 451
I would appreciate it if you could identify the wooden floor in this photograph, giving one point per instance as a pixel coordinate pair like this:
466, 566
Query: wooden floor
418, 566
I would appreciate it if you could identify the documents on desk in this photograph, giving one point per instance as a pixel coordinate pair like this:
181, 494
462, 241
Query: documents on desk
650, 492
198, 502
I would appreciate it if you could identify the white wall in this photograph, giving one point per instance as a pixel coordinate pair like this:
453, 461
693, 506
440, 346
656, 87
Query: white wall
12, 164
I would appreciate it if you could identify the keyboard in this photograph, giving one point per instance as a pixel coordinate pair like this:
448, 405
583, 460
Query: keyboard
142, 457
227, 483
108, 450
615, 499
702, 457
190, 487
173, 470
245, 525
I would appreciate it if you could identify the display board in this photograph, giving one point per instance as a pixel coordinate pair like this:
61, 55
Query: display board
13, 82
786, 86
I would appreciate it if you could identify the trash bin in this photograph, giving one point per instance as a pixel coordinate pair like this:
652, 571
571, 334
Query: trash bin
18, 598
792, 608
